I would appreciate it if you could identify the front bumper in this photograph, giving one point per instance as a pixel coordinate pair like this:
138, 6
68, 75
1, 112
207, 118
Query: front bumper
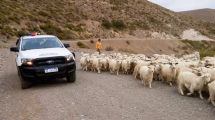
32, 73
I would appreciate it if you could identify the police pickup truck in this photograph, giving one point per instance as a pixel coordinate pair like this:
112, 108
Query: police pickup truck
41, 57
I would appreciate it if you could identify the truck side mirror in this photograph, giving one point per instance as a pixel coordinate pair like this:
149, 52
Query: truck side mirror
14, 49
66, 45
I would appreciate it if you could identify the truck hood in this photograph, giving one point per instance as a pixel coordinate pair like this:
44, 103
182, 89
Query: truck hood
42, 53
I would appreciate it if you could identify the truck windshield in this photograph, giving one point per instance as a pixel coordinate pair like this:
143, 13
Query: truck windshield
40, 43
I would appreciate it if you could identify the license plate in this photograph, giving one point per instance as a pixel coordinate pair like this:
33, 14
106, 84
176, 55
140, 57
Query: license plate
50, 70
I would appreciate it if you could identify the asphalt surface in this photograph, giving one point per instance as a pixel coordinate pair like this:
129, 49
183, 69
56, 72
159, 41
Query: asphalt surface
95, 97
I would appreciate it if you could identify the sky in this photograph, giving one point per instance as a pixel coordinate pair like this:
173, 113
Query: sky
185, 5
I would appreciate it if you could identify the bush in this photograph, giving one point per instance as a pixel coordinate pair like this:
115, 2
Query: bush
128, 42
139, 24
127, 50
70, 26
15, 19
55, 30
91, 41
109, 48
21, 33
75, 28
205, 53
106, 24
82, 45
44, 14
118, 24
51, 29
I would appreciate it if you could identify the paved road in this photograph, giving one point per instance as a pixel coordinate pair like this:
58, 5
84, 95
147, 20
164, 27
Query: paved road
95, 96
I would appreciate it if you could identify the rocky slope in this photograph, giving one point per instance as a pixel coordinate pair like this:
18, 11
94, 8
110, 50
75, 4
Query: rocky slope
203, 14
87, 19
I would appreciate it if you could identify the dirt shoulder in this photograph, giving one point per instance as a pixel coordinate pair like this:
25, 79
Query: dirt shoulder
147, 47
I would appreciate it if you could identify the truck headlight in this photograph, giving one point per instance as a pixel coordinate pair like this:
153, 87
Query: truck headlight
27, 61
70, 57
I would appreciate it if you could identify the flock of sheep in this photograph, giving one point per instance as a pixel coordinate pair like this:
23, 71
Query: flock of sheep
188, 71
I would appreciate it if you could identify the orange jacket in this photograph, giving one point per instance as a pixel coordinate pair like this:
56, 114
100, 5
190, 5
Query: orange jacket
98, 45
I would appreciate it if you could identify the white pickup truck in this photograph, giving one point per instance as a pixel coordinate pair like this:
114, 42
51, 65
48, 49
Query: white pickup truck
41, 57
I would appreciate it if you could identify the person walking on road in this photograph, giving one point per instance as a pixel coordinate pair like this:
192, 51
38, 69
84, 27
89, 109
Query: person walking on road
99, 46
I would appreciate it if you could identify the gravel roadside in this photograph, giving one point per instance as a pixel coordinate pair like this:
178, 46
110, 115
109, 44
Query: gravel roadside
94, 97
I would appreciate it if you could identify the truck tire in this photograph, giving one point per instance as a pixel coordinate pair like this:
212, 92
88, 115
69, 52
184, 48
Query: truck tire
71, 78
24, 84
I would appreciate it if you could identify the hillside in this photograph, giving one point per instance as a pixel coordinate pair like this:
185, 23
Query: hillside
87, 19
203, 14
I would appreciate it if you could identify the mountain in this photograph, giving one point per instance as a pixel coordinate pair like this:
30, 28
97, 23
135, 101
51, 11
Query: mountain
88, 19
203, 14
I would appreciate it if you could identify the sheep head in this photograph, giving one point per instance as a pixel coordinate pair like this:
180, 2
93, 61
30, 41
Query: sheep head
206, 78
151, 68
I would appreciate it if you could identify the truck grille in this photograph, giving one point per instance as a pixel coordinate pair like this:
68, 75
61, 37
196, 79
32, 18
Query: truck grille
49, 61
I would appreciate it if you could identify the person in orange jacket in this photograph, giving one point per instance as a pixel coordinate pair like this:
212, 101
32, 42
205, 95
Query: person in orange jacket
99, 46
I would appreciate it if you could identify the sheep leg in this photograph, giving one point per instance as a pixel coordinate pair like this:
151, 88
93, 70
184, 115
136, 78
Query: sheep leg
159, 77
213, 103
150, 84
117, 72
162, 78
98, 70
169, 80
135, 75
155, 77
180, 89
110, 70
191, 91
209, 99
200, 94
143, 82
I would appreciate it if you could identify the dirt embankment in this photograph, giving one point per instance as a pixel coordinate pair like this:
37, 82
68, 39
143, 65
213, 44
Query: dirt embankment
147, 47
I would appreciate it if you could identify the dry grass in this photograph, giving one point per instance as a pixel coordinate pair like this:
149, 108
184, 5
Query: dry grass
127, 50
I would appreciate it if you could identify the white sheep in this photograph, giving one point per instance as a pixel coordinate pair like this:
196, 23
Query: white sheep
157, 72
192, 82
114, 66
209, 70
126, 65
211, 87
105, 63
97, 65
168, 71
83, 62
140, 63
146, 75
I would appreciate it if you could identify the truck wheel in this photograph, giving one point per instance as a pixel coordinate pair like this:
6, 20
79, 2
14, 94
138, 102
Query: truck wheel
24, 84
71, 78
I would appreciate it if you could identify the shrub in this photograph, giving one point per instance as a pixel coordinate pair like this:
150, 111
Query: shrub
106, 24
75, 28
15, 19
175, 50
50, 29
184, 48
128, 42
205, 53
127, 50
109, 48
118, 24
140, 24
70, 26
55, 30
91, 41
21, 33
82, 45
44, 14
